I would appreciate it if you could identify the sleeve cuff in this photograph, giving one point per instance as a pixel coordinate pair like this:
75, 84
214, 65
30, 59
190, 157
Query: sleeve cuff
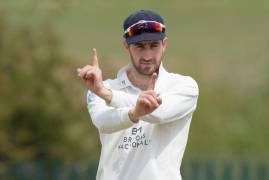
115, 101
125, 119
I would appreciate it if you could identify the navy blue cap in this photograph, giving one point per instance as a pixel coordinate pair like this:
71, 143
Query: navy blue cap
146, 15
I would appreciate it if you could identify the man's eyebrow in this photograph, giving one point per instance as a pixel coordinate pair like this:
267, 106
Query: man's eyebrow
139, 44
156, 42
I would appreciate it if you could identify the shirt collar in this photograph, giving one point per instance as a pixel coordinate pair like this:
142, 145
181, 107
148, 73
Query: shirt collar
125, 82
122, 76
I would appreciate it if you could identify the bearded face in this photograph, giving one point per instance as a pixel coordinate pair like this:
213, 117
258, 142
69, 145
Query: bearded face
146, 56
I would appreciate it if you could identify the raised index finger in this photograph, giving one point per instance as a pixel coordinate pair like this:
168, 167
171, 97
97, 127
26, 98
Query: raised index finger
152, 81
94, 58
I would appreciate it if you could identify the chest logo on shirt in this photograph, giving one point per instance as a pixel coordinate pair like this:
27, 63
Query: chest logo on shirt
136, 139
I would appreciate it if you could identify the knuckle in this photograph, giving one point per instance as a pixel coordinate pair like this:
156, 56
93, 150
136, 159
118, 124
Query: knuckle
88, 66
142, 95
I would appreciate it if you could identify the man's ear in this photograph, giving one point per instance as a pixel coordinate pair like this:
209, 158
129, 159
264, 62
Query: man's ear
125, 44
165, 40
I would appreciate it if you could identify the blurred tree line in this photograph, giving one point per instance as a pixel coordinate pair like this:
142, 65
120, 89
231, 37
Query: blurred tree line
42, 110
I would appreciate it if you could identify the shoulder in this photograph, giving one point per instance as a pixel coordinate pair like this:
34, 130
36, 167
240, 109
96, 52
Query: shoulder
183, 82
183, 79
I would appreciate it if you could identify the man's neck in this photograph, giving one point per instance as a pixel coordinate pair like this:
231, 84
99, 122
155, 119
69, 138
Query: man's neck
138, 80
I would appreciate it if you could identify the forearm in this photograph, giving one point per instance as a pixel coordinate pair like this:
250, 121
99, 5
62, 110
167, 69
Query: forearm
105, 94
112, 120
172, 109
175, 105
107, 119
116, 98
121, 99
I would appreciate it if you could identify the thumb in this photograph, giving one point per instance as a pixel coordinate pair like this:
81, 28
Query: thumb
94, 58
152, 81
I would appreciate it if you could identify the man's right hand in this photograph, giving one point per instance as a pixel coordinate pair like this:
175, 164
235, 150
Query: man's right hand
92, 75
147, 101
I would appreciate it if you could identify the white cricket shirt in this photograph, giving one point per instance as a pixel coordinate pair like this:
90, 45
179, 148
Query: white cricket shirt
151, 149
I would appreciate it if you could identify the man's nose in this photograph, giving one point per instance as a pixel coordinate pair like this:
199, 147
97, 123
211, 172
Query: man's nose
147, 55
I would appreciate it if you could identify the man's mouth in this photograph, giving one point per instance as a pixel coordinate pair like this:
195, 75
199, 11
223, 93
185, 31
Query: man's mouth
147, 63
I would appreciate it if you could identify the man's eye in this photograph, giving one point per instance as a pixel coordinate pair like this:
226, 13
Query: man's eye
154, 45
140, 47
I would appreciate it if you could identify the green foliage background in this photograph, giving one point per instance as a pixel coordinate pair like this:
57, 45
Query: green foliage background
223, 44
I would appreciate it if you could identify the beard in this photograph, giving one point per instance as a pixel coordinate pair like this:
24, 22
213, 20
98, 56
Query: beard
146, 69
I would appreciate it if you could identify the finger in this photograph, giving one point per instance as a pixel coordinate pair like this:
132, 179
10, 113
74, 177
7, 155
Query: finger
78, 71
152, 81
94, 58
84, 70
146, 102
153, 96
151, 92
159, 100
89, 74
153, 101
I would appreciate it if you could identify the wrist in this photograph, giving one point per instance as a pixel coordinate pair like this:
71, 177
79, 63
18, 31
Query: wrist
105, 94
133, 116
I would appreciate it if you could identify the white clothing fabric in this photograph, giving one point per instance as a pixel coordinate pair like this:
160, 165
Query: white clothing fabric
151, 149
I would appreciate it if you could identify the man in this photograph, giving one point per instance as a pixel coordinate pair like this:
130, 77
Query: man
143, 116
